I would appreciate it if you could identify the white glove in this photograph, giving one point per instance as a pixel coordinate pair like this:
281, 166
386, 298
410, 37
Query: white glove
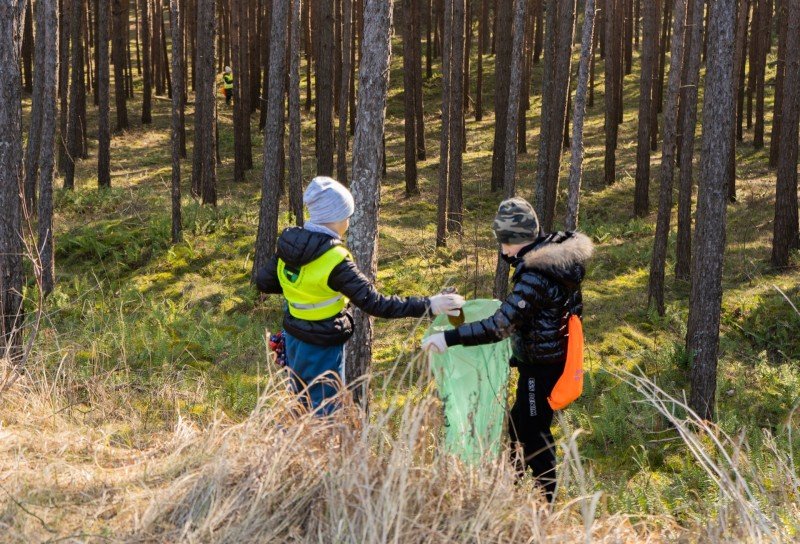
446, 304
435, 343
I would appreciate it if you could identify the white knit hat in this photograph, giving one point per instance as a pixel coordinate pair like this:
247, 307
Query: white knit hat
328, 201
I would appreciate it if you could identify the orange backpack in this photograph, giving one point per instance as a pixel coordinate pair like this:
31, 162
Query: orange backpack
570, 385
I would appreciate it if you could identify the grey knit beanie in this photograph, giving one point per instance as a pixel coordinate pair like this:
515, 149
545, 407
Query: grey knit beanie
328, 201
516, 222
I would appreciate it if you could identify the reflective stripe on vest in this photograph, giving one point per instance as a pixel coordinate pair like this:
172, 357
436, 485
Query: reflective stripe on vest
306, 289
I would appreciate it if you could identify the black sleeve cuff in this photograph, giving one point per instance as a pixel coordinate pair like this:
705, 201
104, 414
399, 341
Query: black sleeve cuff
452, 337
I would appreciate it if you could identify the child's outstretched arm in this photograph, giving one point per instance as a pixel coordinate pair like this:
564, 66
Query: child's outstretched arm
518, 305
347, 279
267, 277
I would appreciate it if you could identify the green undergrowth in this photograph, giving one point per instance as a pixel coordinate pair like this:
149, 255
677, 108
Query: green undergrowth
182, 327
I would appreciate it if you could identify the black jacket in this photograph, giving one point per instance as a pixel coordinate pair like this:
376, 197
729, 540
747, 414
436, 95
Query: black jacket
297, 247
546, 292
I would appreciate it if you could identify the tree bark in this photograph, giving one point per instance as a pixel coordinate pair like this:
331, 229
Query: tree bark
28, 48
33, 147
641, 196
765, 36
295, 129
323, 13
706, 294
514, 91
11, 181
204, 175
49, 75
147, 72
367, 159
103, 98
455, 203
76, 91
240, 116
118, 51
409, 108
658, 262
550, 142
612, 62
273, 139
502, 36
688, 123
742, 74
419, 112
785, 227
481, 47
178, 90
780, 75
344, 90
447, 111
576, 162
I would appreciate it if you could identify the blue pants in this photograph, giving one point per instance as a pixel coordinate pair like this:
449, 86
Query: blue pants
317, 372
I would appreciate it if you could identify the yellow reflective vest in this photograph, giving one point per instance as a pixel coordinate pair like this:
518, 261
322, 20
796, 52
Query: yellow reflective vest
306, 289
227, 81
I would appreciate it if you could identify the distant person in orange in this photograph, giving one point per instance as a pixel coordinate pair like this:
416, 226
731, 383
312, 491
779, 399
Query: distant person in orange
227, 84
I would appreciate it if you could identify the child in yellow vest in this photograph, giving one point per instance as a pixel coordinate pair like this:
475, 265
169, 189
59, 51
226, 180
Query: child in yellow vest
319, 279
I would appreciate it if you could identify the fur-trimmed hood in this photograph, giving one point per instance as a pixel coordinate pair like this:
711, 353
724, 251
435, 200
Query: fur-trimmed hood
560, 255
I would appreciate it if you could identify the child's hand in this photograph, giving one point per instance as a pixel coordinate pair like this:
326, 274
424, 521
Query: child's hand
446, 304
435, 343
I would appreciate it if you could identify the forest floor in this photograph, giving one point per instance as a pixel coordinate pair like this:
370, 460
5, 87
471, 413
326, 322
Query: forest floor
145, 385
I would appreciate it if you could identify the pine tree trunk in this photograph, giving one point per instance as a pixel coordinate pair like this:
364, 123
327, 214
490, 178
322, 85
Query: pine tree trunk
409, 109
455, 203
765, 36
240, 117
688, 124
780, 75
104, 98
611, 114
502, 36
33, 146
178, 90
47, 153
785, 227
323, 12
419, 110
11, 267
655, 101
628, 36
752, 74
367, 158
481, 47
63, 81
344, 90
658, 262
641, 196
742, 74
447, 111
555, 90
204, 175
706, 294
295, 129
147, 74
119, 36
514, 92
76, 91
576, 162
738, 52
273, 138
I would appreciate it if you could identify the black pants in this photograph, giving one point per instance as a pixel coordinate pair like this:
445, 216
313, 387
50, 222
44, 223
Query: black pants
228, 96
531, 417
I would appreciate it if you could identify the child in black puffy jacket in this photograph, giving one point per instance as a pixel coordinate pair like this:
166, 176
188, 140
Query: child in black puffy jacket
548, 271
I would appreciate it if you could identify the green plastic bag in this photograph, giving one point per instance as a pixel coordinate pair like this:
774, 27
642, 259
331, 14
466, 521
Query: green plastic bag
472, 383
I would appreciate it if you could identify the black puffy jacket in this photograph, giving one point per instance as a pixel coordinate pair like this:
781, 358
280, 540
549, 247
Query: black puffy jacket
297, 247
547, 279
